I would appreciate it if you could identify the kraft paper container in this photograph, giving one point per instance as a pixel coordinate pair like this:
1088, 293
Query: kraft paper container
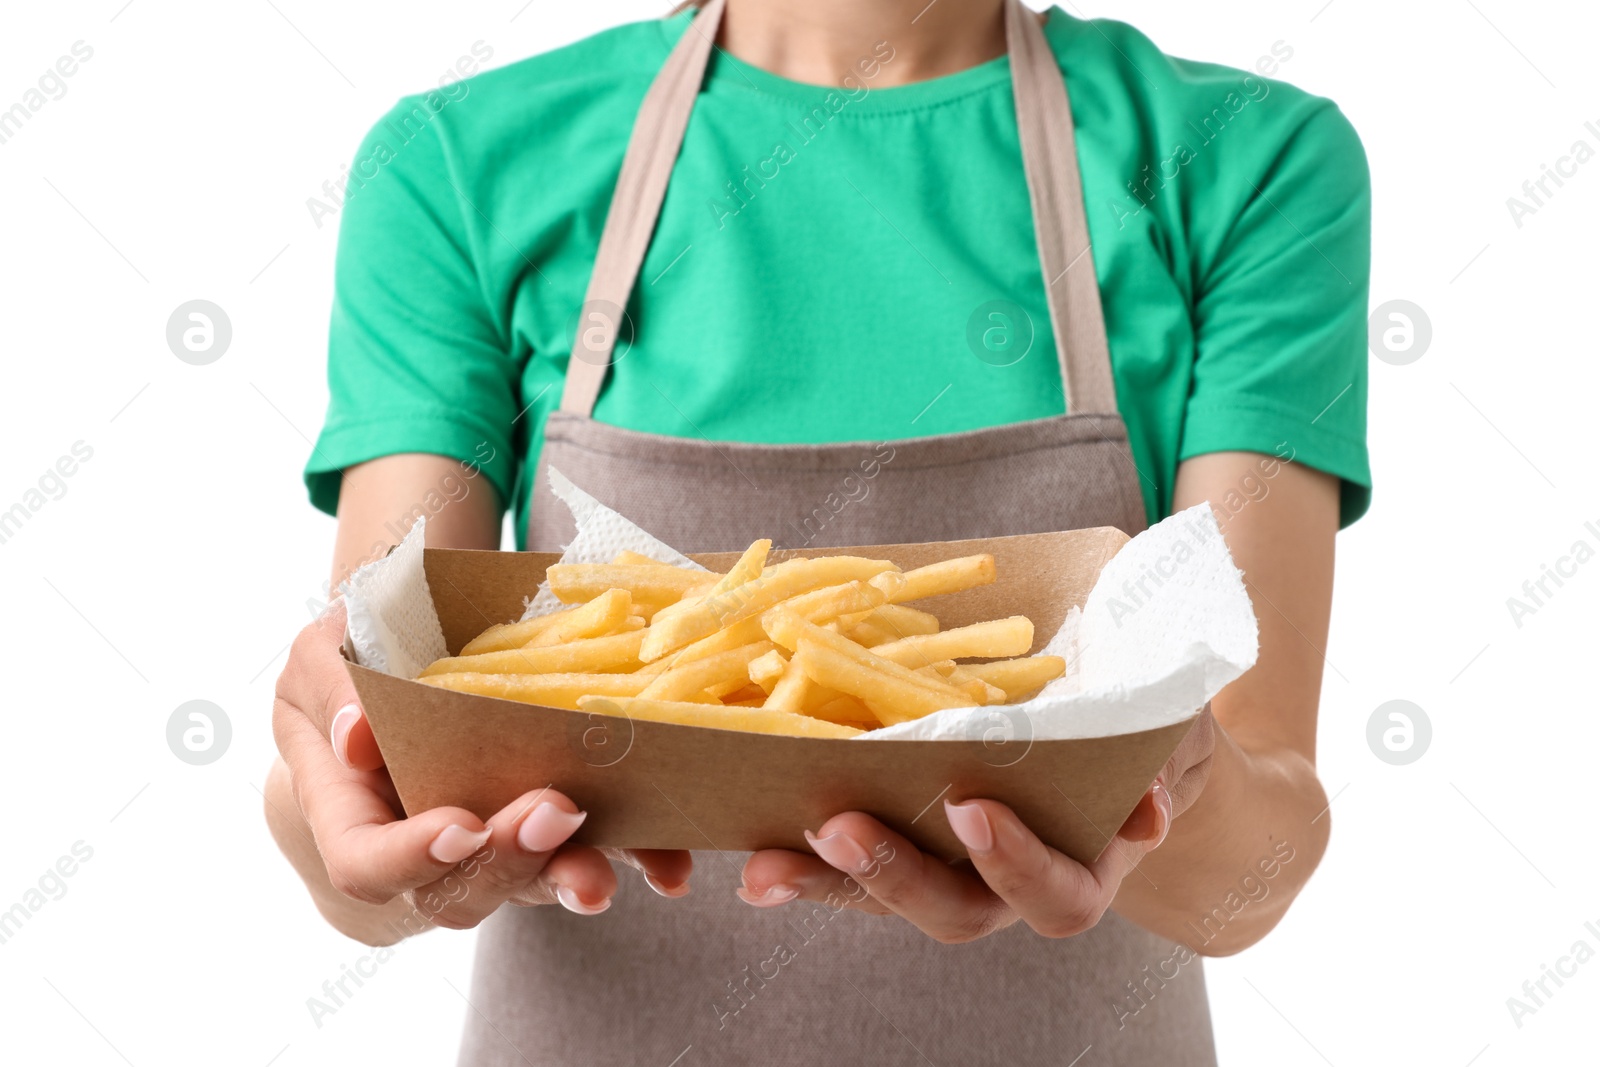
658, 785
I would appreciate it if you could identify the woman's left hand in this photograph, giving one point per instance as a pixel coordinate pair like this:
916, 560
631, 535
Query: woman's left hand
1012, 874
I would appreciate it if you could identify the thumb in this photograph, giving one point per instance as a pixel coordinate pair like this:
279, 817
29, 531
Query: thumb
331, 698
1147, 824
1186, 773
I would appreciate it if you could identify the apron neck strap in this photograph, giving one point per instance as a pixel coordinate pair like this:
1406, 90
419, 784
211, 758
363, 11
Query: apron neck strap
1055, 191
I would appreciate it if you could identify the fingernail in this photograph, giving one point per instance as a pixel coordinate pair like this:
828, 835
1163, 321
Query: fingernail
1163, 800
841, 851
781, 893
673, 893
339, 731
971, 826
570, 901
455, 843
547, 826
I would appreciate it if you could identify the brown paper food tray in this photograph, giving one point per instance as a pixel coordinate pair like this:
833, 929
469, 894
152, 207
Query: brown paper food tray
660, 785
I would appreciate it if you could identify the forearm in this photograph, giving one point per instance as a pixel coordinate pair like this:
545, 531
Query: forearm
1237, 858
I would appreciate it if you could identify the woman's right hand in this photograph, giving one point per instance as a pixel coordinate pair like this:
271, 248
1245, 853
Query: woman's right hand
379, 876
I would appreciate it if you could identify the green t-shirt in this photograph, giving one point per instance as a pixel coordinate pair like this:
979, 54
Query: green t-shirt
827, 260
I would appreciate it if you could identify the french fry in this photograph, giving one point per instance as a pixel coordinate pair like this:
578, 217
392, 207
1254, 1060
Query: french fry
905, 622
681, 682
595, 655
605, 614
637, 559
844, 710
892, 700
888, 623
747, 695
747, 569
787, 579
1020, 678
513, 634
999, 637
788, 629
736, 636
765, 670
789, 692
970, 684
936, 579
689, 600
870, 635
831, 603
695, 595
818, 696
648, 583
751, 720
551, 690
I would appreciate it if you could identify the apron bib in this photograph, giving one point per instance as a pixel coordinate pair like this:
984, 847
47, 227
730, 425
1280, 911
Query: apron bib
707, 979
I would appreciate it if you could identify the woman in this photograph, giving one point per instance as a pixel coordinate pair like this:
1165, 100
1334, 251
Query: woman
1048, 277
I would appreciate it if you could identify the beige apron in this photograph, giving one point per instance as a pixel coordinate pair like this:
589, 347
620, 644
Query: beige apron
707, 979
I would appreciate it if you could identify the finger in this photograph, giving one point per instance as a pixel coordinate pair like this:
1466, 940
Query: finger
371, 854
947, 903
774, 876
524, 836
316, 682
1186, 773
352, 739
1053, 893
666, 871
578, 877
1147, 825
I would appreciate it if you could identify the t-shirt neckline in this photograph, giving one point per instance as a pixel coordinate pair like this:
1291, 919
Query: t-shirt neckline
726, 70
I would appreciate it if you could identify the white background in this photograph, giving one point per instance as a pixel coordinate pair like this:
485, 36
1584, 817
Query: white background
180, 560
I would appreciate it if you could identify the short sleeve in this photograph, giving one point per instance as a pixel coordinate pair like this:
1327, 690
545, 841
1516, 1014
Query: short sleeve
416, 362
1281, 312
